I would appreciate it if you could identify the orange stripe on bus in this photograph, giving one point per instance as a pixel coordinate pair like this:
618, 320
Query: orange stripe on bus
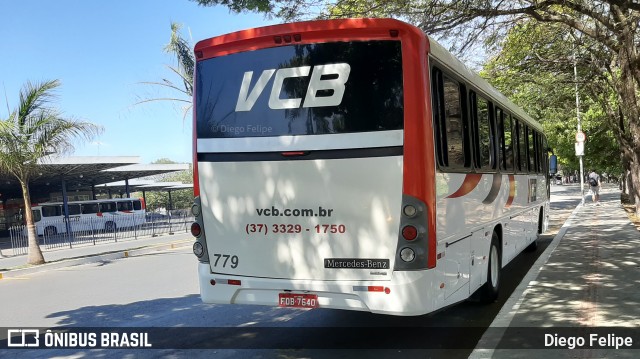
470, 182
512, 191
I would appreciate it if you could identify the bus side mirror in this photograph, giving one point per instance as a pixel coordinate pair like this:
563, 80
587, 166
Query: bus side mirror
553, 164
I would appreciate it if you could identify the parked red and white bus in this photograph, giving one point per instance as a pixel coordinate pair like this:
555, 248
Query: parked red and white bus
356, 164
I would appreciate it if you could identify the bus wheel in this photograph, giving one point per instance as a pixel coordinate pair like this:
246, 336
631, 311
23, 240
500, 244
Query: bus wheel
110, 226
489, 292
534, 245
50, 231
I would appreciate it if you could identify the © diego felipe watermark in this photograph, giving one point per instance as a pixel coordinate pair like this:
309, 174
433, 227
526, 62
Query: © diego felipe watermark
592, 341
65, 339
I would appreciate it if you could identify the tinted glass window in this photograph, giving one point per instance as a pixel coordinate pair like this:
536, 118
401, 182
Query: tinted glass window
108, 207
125, 206
326, 88
453, 124
532, 150
484, 133
137, 205
74, 209
522, 148
36, 215
51, 211
508, 143
90, 208
499, 120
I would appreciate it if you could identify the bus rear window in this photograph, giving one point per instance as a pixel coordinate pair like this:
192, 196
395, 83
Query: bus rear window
325, 88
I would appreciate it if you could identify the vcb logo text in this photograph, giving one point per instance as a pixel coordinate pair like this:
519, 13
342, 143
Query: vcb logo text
21, 338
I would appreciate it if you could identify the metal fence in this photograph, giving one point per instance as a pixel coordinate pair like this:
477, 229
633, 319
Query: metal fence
99, 230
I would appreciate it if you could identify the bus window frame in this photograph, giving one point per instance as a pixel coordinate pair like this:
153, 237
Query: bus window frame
478, 160
438, 78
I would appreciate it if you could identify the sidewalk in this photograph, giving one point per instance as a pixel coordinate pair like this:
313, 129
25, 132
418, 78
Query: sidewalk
15, 266
587, 278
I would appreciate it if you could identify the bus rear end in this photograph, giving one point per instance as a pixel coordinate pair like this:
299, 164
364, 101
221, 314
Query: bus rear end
299, 134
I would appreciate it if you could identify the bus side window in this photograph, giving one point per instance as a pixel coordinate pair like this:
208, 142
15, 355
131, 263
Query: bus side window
532, 150
545, 155
451, 140
90, 208
108, 207
51, 211
507, 144
37, 217
125, 206
499, 122
454, 124
137, 205
539, 150
485, 158
74, 209
522, 147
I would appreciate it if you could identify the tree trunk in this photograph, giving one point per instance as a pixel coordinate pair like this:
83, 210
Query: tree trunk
34, 254
629, 95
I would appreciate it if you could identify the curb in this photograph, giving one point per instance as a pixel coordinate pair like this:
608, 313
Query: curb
489, 342
92, 258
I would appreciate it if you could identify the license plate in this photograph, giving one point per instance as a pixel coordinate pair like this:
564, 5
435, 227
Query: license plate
291, 300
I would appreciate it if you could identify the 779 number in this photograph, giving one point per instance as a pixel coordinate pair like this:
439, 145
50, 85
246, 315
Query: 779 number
224, 259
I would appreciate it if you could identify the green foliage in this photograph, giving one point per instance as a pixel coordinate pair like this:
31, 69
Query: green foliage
535, 70
238, 6
181, 199
181, 49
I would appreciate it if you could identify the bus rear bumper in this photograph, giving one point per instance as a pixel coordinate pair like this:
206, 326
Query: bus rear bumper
406, 293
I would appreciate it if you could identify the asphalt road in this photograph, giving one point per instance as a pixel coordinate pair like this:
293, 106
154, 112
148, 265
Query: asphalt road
160, 290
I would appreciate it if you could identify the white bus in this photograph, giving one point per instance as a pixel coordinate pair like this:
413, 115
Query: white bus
95, 215
356, 164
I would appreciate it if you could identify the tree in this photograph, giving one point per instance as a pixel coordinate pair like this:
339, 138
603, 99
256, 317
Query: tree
32, 131
535, 69
181, 49
181, 199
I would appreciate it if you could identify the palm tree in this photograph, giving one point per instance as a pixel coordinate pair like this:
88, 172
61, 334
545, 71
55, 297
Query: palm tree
32, 131
182, 50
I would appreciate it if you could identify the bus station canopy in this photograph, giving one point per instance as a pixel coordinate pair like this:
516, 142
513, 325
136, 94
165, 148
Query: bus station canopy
82, 173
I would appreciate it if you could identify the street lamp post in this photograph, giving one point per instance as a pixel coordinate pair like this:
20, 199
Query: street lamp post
575, 76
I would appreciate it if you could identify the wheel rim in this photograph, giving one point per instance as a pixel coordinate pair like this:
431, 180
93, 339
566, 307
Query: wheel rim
494, 266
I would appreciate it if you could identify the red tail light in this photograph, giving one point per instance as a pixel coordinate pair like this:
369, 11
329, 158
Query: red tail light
195, 229
409, 233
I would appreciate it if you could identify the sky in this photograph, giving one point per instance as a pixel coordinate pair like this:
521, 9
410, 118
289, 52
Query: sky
102, 52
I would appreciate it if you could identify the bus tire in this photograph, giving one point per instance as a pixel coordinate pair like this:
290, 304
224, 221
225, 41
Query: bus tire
534, 245
110, 226
489, 291
50, 231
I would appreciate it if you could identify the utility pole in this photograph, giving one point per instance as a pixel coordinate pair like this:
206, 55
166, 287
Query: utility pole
580, 133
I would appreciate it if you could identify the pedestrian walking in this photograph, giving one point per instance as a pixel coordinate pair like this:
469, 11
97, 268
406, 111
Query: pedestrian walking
596, 185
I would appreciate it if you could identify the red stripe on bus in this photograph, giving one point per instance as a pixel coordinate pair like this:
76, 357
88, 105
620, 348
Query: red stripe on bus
470, 182
418, 163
